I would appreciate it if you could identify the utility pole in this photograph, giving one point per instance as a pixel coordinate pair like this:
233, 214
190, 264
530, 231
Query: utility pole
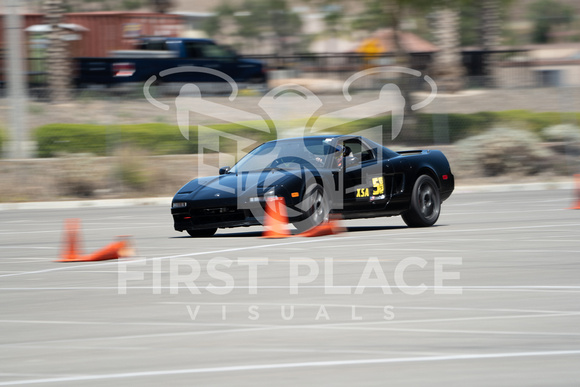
18, 146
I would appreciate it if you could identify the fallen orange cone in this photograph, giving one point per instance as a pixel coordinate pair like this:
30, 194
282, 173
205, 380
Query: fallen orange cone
276, 219
114, 250
330, 227
576, 205
70, 249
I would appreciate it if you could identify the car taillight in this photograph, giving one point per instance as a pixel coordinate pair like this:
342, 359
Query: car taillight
123, 69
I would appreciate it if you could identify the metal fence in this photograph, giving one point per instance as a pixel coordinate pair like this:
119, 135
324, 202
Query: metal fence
520, 85
512, 70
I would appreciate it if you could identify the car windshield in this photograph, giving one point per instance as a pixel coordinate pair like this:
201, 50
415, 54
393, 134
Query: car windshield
289, 154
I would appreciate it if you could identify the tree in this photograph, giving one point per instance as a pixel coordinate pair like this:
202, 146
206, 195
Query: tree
489, 36
447, 65
283, 22
256, 19
102, 5
373, 16
58, 64
245, 23
546, 14
211, 26
333, 20
389, 14
162, 6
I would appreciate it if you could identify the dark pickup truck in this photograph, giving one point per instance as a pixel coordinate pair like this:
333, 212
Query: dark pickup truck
154, 55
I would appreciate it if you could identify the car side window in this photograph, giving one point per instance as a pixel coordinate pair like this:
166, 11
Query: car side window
194, 50
360, 150
156, 45
367, 154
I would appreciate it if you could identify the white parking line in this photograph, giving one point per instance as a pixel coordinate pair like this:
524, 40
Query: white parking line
524, 211
130, 227
451, 205
334, 239
28, 247
13, 261
72, 322
247, 328
458, 331
263, 367
350, 305
524, 288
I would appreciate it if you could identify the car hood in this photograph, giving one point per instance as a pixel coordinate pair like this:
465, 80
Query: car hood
236, 186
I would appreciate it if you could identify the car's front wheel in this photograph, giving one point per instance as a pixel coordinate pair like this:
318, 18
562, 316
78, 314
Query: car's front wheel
316, 208
202, 233
425, 203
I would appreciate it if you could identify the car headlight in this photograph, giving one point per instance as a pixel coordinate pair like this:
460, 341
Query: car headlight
179, 205
270, 194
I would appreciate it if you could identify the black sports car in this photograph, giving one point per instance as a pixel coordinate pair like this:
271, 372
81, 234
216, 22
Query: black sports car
317, 176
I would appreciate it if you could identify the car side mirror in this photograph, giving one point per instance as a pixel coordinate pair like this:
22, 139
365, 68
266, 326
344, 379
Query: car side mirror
224, 170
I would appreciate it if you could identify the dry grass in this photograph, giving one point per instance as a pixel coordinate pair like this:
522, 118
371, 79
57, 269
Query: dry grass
129, 174
132, 174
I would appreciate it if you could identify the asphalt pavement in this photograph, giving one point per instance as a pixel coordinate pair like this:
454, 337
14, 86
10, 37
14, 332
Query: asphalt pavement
488, 296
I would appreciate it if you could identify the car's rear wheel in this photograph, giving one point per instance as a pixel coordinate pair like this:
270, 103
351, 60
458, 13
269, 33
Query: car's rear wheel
202, 233
316, 208
425, 203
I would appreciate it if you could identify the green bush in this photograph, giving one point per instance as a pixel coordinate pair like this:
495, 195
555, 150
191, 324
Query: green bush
2, 139
159, 138
466, 125
562, 133
501, 151
531, 121
424, 129
100, 140
565, 140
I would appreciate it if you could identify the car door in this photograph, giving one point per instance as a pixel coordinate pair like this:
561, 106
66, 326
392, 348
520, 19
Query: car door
367, 177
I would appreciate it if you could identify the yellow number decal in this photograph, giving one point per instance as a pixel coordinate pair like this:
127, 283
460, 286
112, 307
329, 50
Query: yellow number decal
362, 193
378, 186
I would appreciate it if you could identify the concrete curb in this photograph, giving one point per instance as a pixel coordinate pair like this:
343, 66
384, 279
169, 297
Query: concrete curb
514, 187
105, 203
166, 201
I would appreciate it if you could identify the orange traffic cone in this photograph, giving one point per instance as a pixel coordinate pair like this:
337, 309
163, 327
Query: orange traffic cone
115, 250
576, 205
70, 247
275, 219
128, 250
71, 251
330, 227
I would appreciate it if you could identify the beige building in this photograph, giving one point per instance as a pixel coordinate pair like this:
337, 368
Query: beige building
550, 65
